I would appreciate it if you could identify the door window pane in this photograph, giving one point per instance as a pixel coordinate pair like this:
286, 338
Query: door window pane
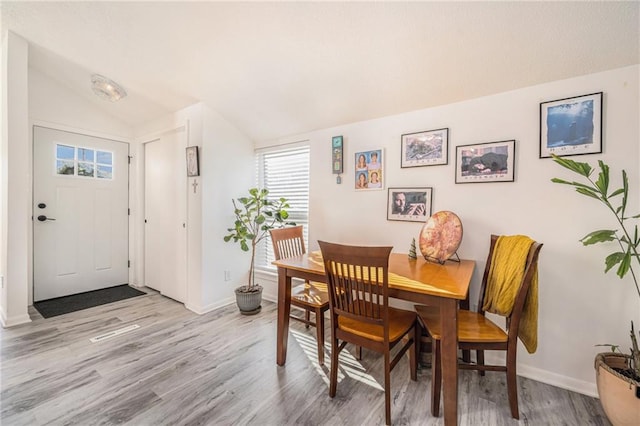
105, 172
85, 154
105, 158
65, 152
85, 169
65, 167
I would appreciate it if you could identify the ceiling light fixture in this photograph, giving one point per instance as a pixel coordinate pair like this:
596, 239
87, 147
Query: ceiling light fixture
107, 89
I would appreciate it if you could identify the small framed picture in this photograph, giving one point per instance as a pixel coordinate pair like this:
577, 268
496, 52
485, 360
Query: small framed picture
486, 162
336, 155
369, 173
571, 126
409, 204
428, 148
193, 164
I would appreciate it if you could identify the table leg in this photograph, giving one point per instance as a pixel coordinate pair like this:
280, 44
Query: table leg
284, 309
449, 360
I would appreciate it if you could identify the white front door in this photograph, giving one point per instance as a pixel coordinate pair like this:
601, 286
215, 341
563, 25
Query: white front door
165, 242
80, 213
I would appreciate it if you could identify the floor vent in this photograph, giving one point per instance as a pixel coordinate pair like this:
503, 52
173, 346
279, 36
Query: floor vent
113, 333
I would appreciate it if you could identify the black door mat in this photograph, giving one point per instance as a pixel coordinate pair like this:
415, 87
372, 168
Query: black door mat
77, 302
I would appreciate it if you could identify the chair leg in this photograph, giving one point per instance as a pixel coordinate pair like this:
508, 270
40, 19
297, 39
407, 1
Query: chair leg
512, 384
333, 380
414, 353
359, 353
387, 386
436, 378
307, 318
480, 360
320, 334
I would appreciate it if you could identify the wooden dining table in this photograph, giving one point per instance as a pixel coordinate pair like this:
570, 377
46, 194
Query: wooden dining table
415, 280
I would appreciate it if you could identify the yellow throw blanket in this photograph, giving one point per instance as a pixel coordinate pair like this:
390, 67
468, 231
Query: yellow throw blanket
506, 273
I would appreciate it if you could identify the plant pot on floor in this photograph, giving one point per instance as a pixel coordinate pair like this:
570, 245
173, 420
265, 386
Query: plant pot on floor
619, 395
249, 301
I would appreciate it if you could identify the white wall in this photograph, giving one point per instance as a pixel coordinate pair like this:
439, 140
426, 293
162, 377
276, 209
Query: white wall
16, 177
579, 305
52, 104
226, 171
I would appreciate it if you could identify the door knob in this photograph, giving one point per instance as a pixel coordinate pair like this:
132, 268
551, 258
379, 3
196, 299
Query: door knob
42, 218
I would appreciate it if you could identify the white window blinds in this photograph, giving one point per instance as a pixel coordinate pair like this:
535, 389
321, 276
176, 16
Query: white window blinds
284, 172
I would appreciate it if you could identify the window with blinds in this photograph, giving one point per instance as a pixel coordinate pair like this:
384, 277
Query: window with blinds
284, 172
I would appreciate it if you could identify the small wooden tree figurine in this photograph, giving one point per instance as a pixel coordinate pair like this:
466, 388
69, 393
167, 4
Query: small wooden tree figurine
412, 250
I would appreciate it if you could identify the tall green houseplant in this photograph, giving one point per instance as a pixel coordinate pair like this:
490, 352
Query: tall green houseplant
255, 216
626, 260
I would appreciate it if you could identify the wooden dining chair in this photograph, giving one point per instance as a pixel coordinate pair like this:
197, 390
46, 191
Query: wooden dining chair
360, 312
477, 332
310, 296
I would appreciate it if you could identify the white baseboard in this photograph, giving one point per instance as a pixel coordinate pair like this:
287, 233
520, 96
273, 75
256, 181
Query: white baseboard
270, 297
10, 322
200, 310
558, 380
548, 377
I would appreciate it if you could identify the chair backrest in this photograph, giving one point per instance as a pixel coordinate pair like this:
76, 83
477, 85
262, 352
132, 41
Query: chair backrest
530, 266
358, 280
287, 242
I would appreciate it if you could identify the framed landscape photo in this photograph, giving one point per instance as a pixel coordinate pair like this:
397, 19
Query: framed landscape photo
369, 173
409, 204
428, 148
571, 126
486, 162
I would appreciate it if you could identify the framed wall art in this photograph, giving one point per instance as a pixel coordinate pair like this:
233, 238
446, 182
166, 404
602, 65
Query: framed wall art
369, 173
486, 162
409, 204
193, 165
571, 126
428, 148
336, 155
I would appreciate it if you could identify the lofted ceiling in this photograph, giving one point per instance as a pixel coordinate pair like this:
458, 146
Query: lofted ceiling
280, 68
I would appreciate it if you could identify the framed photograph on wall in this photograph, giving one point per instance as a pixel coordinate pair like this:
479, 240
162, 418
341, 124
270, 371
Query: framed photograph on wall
336, 155
428, 148
571, 126
486, 162
409, 204
193, 162
369, 173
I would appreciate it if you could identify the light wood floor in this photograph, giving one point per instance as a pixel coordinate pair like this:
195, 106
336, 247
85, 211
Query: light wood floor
180, 368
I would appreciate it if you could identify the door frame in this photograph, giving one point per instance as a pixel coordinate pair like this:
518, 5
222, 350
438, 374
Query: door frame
141, 198
85, 132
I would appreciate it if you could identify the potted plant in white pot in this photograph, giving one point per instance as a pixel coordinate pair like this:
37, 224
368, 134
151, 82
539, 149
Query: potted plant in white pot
617, 374
255, 216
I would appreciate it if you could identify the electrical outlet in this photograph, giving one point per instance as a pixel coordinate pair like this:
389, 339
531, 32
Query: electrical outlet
227, 275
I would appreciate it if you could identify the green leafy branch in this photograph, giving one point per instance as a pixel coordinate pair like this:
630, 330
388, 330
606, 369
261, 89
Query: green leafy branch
599, 190
255, 216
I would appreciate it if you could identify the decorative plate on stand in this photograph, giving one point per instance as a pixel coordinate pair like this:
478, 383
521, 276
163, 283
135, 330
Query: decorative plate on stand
440, 236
